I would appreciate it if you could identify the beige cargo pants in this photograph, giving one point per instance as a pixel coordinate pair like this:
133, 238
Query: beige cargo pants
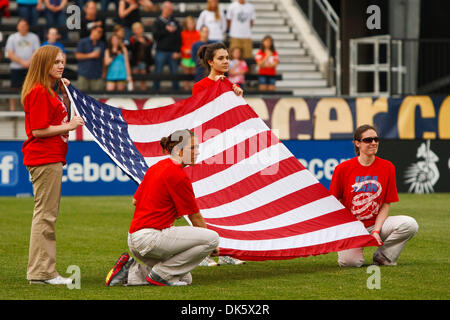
395, 233
172, 252
46, 181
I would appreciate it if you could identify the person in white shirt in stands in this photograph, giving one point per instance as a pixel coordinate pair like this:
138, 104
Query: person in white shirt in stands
240, 18
19, 48
214, 19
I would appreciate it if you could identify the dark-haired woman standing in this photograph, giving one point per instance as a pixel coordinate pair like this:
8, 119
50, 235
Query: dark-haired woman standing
216, 60
366, 186
168, 253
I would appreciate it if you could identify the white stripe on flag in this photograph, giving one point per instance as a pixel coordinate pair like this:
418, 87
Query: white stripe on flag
339, 232
265, 195
306, 212
241, 170
154, 132
231, 137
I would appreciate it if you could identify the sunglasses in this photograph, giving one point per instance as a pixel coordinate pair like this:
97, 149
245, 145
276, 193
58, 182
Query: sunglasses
370, 140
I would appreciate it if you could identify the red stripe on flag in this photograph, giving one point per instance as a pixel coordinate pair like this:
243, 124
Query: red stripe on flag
274, 208
250, 184
206, 131
325, 221
333, 246
231, 156
177, 109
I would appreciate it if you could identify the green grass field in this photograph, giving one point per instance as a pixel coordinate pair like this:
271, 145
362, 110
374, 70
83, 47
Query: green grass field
92, 233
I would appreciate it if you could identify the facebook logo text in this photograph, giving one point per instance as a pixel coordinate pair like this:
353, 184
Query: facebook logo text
9, 168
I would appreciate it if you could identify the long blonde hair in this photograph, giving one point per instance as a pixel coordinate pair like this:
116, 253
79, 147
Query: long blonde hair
216, 9
38, 73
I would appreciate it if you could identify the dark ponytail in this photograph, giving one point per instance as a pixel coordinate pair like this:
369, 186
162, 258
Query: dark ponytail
207, 51
179, 138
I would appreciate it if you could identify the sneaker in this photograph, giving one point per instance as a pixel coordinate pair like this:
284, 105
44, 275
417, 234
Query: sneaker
55, 281
208, 262
380, 260
154, 279
119, 273
230, 260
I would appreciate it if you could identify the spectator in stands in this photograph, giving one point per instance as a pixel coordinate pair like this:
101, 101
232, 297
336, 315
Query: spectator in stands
167, 35
189, 36
90, 53
129, 12
29, 10
200, 71
267, 60
4, 10
55, 14
52, 39
118, 65
20, 47
119, 31
238, 67
91, 19
214, 19
141, 53
1, 45
240, 17
104, 4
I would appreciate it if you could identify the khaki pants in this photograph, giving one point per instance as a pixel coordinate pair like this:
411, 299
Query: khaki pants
395, 233
172, 253
246, 46
46, 181
85, 84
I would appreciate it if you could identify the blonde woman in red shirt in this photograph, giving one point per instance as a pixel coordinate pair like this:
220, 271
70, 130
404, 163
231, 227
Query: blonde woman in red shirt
167, 253
47, 128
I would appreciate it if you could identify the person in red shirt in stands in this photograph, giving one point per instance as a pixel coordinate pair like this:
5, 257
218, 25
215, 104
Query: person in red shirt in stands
366, 186
168, 253
189, 36
267, 60
216, 60
47, 128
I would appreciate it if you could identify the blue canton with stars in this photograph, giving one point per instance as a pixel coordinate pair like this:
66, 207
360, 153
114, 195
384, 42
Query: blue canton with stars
110, 131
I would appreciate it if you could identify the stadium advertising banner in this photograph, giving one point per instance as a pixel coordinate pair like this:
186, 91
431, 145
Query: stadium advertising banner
89, 171
409, 117
421, 166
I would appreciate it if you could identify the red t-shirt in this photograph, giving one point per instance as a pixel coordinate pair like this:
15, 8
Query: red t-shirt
188, 38
363, 189
41, 111
202, 84
164, 194
267, 71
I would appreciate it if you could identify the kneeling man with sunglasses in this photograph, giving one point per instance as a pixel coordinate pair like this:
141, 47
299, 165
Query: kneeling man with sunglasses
366, 186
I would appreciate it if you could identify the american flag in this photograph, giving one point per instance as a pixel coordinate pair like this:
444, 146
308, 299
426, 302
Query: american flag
250, 188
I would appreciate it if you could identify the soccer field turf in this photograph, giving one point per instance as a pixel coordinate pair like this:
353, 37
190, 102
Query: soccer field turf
92, 233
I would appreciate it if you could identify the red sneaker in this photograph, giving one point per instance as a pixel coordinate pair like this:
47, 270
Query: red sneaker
115, 273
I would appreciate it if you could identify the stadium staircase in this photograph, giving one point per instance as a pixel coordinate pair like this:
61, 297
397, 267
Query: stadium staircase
298, 68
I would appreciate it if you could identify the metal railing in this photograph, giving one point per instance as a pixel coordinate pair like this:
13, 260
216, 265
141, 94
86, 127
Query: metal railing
326, 24
399, 66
